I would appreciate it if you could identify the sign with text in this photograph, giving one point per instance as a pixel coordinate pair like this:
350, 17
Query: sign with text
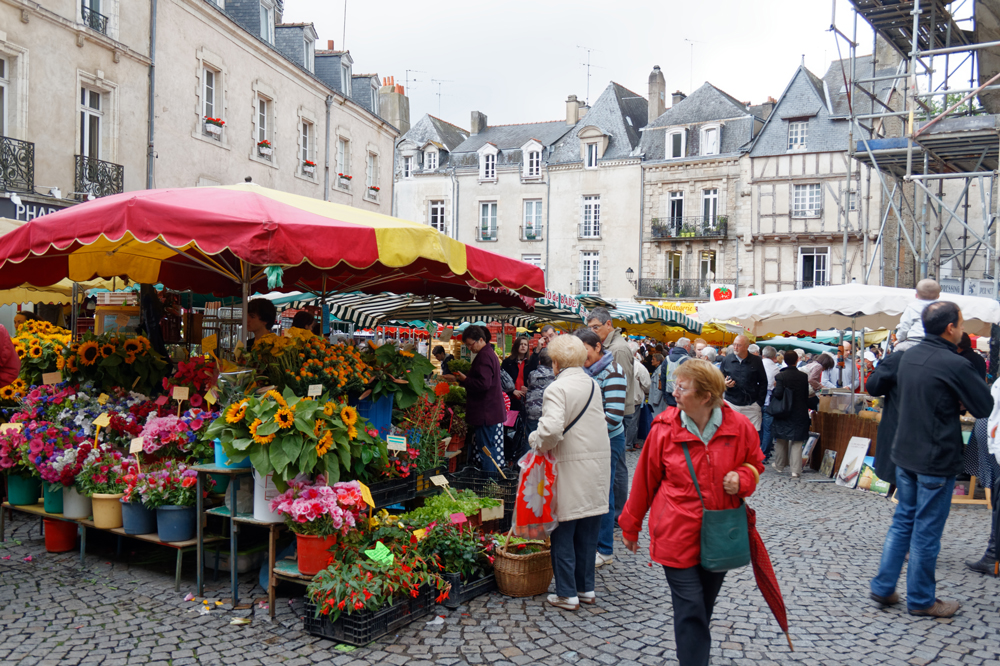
181, 393
315, 390
135, 446
396, 442
50, 378
103, 420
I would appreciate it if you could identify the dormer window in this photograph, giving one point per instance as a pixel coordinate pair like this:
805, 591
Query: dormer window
345, 79
267, 20
798, 131
309, 54
675, 144
531, 153
375, 108
488, 162
710, 140
591, 151
431, 160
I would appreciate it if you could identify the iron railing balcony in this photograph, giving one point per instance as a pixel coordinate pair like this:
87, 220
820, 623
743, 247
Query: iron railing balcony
808, 284
95, 20
694, 226
97, 177
486, 233
17, 165
670, 288
531, 232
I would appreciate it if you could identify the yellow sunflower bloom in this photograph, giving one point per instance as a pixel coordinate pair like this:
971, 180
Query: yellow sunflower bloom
35, 352
132, 346
285, 418
107, 350
71, 365
60, 363
7, 393
264, 440
324, 444
277, 397
318, 426
348, 415
89, 353
236, 412
352, 432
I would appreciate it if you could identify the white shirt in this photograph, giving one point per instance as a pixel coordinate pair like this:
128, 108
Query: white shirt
831, 376
771, 368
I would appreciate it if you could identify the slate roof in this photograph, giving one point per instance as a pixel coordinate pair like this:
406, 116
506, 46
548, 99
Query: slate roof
512, 137
434, 129
834, 79
705, 104
618, 112
361, 89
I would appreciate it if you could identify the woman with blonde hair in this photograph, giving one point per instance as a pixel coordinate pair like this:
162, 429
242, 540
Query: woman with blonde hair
699, 456
572, 428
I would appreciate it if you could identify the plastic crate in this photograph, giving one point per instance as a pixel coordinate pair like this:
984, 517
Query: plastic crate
394, 491
378, 413
463, 593
490, 485
424, 484
363, 627
118, 298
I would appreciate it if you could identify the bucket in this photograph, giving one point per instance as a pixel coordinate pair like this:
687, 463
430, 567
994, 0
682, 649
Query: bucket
221, 480
60, 536
75, 505
137, 519
23, 490
222, 460
175, 523
314, 552
107, 510
264, 491
53, 494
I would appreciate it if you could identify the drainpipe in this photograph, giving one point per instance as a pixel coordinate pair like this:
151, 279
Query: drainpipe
454, 202
548, 217
642, 223
150, 154
326, 157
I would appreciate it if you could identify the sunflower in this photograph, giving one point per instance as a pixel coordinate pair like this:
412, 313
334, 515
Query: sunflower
324, 444
236, 412
318, 426
71, 365
277, 397
285, 418
107, 350
7, 393
89, 353
35, 352
144, 341
348, 415
129, 359
352, 432
405, 354
132, 346
264, 439
21, 350
60, 363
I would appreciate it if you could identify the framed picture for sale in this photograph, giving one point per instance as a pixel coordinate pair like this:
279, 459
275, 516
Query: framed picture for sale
854, 457
810, 445
826, 468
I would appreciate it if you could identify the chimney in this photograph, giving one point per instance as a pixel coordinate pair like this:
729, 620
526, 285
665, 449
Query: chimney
393, 104
583, 109
572, 110
657, 94
676, 98
478, 123
767, 107
329, 45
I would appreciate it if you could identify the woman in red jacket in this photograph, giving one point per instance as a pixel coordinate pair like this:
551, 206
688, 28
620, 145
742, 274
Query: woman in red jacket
725, 452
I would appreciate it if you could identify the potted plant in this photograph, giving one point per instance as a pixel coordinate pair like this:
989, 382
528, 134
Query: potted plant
23, 485
464, 555
40, 346
723, 225
344, 179
102, 480
50, 444
373, 189
137, 518
264, 148
309, 167
399, 373
316, 514
173, 436
170, 488
659, 230
213, 126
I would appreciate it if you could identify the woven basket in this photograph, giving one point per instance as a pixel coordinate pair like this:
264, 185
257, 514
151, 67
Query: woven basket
522, 575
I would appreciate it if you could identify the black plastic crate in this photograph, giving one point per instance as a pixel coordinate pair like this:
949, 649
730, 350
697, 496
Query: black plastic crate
424, 484
362, 627
394, 491
463, 593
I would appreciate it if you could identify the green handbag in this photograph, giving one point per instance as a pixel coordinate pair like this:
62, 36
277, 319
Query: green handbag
725, 537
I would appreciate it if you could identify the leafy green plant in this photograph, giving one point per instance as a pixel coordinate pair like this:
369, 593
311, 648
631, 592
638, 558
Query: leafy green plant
460, 365
458, 549
399, 373
440, 508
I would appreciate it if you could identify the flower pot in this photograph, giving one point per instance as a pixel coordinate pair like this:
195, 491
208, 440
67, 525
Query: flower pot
53, 495
137, 519
107, 510
309, 169
264, 491
60, 536
175, 523
313, 552
222, 460
457, 442
23, 490
75, 505
213, 129
264, 150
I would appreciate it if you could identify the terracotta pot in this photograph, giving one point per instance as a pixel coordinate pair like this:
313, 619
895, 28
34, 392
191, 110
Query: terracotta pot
313, 552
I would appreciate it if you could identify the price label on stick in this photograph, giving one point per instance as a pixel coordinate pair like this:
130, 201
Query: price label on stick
366, 495
420, 534
439, 480
315, 390
102, 399
381, 554
396, 442
102, 421
181, 393
50, 378
11, 426
162, 400
210, 397
122, 320
209, 344
136, 445
458, 518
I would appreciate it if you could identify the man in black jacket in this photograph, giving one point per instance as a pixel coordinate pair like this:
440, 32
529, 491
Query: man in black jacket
935, 384
746, 381
884, 383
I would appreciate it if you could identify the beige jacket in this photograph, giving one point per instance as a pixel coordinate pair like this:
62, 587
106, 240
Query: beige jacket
583, 455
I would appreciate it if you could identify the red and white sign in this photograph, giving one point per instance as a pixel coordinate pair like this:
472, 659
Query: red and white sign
721, 292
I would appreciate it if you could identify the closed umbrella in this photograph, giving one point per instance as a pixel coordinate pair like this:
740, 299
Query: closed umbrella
763, 573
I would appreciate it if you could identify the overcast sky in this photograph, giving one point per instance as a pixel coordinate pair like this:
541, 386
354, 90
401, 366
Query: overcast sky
517, 60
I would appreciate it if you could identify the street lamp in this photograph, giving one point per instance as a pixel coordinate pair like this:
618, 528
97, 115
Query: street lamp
630, 275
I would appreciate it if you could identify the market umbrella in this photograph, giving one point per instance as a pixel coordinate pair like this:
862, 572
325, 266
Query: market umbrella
763, 573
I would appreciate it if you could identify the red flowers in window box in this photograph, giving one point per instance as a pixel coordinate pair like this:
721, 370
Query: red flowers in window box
308, 163
373, 188
344, 176
218, 122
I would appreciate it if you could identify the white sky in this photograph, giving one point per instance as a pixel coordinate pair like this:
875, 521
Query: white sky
517, 60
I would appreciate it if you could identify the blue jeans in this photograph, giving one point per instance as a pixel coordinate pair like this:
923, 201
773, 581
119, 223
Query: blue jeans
573, 553
924, 503
766, 440
606, 539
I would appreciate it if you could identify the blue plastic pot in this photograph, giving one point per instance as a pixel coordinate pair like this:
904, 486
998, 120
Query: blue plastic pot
175, 523
53, 494
222, 460
23, 490
137, 519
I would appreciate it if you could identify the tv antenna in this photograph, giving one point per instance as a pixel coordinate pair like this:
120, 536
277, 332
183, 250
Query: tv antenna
691, 72
415, 71
588, 66
438, 93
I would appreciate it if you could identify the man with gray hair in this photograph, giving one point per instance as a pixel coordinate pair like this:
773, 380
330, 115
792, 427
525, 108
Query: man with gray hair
769, 354
685, 344
709, 354
754, 349
746, 381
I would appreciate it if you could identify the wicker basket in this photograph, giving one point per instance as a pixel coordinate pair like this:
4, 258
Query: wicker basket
522, 575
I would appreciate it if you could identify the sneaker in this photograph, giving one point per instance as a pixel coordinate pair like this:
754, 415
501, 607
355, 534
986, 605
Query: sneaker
939, 609
566, 603
777, 469
886, 601
603, 559
795, 476
983, 566
589, 598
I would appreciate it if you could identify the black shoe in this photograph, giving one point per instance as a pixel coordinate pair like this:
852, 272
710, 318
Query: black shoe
983, 566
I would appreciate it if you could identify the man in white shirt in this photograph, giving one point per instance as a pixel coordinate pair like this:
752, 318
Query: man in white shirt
771, 368
837, 377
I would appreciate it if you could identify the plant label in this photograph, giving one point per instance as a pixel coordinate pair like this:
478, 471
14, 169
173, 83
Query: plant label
396, 442
122, 320
135, 446
103, 420
366, 495
162, 400
210, 397
458, 518
446, 334
439, 480
420, 534
50, 378
381, 554
315, 390
210, 344
181, 393
16, 427
102, 399
493, 512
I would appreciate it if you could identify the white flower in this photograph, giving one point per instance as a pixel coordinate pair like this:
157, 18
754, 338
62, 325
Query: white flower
536, 490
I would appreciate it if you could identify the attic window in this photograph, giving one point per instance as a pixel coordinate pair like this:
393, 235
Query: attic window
430, 160
675, 144
629, 120
534, 165
710, 140
591, 156
488, 166
798, 131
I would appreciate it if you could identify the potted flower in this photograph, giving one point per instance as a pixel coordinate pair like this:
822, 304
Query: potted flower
213, 126
23, 485
264, 148
102, 479
464, 555
373, 189
309, 167
48, 445
316, 514
170, 488
40, 346
173, 436
344, 179
137, 518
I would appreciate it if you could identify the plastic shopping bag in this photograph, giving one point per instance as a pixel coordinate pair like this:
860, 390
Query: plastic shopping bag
535, 511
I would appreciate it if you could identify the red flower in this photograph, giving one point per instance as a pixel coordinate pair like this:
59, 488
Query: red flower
358, 605
188, 482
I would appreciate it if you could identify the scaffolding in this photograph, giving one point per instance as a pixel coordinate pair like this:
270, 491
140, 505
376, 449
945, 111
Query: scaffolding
935, 135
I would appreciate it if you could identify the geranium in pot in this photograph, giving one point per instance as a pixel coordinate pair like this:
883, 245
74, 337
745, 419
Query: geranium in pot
170, 488
102, 479
316, 514
23, 483
137, 518
49, 451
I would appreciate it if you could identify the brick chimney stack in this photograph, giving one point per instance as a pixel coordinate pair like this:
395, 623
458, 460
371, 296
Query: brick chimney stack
478, 122
657, 94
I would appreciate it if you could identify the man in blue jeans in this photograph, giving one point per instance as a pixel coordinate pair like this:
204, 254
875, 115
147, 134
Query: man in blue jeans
935, 385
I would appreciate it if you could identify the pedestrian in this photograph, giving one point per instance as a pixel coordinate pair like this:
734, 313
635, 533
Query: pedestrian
516, 365
444, 359
884, 383
539, 380
791, 429
725, 453
966, 351
842, 373
678, 354
988, 562
549, 333
599, 321
484, 399
603, 367
769, 357
21, 317
10, 362
638, 399
657, 396
573, 428
935, 385
746, 381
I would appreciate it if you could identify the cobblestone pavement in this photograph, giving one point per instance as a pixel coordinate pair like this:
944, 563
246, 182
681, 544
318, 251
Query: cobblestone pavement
825, 543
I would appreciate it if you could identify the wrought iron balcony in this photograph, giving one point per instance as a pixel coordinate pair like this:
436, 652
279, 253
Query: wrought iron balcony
697, 226
531, 232
669, 288
809, 284
95, 20
97, 177
486, 233
17, 165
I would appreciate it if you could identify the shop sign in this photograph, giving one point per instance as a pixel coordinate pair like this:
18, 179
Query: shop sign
29, 210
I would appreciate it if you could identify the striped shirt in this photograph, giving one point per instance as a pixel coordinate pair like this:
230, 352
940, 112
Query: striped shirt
614, 389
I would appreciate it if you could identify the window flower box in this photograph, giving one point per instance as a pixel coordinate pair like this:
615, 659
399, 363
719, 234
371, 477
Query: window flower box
213, 126
264, 148
309, 167
373, 189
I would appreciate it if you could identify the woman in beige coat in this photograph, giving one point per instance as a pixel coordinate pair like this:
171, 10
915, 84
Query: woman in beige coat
573, 428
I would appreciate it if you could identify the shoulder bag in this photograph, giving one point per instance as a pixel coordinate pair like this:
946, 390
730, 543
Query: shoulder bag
780, 408
725, 536
582, 411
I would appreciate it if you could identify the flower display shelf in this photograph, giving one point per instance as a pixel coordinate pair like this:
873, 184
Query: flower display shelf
394, 491
365, 626
463, 593
490, 485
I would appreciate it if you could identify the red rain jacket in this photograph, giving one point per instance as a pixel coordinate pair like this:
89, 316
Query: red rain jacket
10, 364
663, 483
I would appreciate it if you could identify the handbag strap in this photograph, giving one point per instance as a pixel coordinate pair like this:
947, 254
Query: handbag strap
582, 411
694, 477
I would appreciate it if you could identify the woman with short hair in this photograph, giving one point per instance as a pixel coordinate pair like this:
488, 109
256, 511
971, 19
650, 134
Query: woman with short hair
791, 429
484, 400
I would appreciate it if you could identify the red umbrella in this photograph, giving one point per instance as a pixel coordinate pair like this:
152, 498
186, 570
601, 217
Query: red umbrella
763, 572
